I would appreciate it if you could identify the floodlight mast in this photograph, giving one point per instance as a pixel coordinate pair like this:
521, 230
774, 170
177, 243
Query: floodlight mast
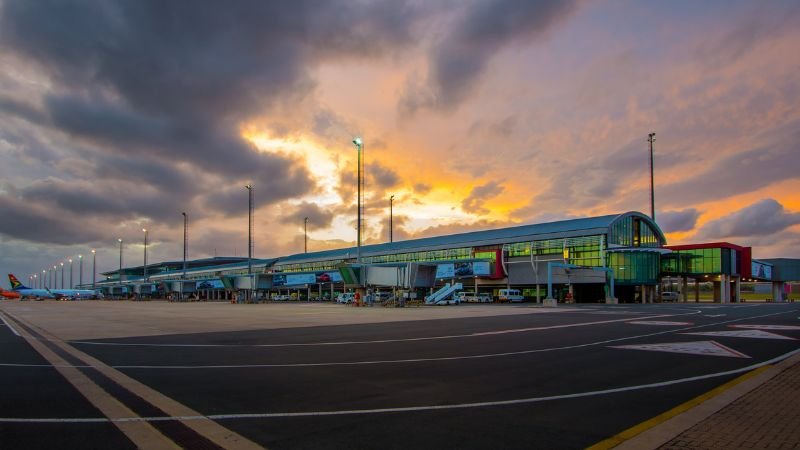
359, 143
652, 138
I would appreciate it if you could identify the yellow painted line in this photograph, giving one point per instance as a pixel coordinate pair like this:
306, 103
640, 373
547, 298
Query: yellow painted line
619, 438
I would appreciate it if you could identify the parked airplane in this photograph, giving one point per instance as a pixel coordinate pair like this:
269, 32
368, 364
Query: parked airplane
9, 294
25, 291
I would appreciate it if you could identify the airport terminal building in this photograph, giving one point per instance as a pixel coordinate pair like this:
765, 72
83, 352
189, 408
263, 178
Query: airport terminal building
595, 259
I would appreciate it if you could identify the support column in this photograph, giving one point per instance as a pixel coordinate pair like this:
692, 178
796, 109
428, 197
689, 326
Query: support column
727, 297
737, 292
685, 288
717, 289
777, 291
696, 290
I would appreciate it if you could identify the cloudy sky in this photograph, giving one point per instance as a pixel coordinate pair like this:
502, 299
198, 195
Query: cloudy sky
119, 115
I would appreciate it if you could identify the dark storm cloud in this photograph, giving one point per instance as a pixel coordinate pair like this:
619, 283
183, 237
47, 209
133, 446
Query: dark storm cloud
460, 58
23, 220
766, 217
596, 179
672, 221
318, 217
381, 176
479, 194
112, 200
742, 172
156, 91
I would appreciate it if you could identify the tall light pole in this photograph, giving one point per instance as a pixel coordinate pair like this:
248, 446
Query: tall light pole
54, 277
652, 138
249, 188
145, 255
359, 147
41, 280
391, 228
185, 233
305, 235
94, 267
80, 270
62, 274
71, 283
120, 261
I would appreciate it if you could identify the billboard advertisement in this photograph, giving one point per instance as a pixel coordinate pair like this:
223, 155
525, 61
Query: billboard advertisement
463, 269
329, 277
210, 284
295, 279
761, 270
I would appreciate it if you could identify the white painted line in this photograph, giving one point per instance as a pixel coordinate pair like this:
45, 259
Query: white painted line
9, 325
658, 322
447, 358
380, 341
411, 408
714, 315
767, 327
754, 334
704, 348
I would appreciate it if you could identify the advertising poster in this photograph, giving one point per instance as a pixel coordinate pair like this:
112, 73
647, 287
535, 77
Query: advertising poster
463, 269
329, 277
300, 278
445, 271
210, 284
279, 280
762, 271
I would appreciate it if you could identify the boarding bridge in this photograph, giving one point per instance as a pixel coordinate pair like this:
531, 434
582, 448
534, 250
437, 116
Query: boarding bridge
442, 294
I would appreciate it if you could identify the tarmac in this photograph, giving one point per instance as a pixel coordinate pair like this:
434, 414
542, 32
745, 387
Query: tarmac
760, 409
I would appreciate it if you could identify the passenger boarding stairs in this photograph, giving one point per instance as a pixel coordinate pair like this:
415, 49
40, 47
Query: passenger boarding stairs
443, 294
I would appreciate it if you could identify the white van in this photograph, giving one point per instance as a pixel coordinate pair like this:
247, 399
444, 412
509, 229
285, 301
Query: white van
510, 295
347, 297
668, 296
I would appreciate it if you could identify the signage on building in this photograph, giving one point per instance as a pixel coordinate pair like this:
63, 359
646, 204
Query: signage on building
210, 284
463, 269
761, 270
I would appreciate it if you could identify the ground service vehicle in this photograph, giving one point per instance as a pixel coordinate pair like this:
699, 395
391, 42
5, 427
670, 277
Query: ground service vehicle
510, 295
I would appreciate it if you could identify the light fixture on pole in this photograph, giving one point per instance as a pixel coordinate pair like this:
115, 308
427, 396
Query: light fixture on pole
359, 147
185, 233
249, 188
391, 228
144, 270
80, 270
652, 138
94, 267
120, 261
305, 235
71, 279
62, 274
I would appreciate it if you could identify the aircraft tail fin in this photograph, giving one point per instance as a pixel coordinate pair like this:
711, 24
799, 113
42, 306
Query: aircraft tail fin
15, 283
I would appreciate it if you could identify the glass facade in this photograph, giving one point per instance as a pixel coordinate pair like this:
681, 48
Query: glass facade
634, 268
582, 251
632, 231
701, 261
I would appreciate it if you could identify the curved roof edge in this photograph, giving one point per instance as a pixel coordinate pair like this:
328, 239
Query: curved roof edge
478, 238
646, 219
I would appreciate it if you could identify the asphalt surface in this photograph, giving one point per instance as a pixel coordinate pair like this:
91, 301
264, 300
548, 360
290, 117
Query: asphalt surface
522, 381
